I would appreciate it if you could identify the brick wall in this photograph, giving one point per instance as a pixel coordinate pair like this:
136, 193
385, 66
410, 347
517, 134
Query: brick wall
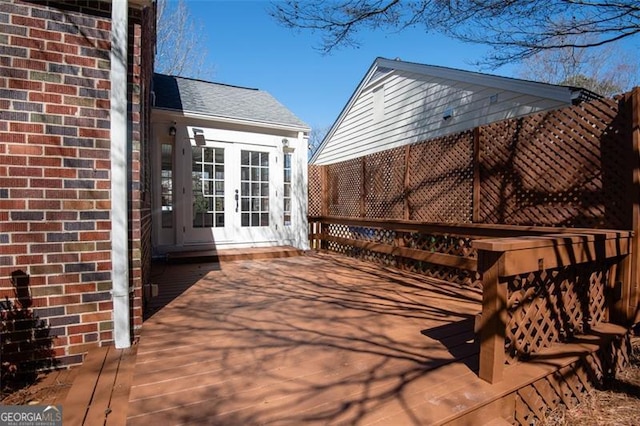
55, 169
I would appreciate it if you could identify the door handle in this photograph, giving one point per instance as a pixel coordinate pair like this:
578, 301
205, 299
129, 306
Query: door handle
237, 198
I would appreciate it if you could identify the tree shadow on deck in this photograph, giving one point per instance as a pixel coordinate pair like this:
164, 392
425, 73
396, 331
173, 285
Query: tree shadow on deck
300, 340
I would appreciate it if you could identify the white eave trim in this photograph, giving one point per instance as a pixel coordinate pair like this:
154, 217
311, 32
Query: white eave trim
231, 120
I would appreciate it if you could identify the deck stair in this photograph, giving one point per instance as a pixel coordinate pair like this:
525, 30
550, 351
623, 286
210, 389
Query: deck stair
227, 255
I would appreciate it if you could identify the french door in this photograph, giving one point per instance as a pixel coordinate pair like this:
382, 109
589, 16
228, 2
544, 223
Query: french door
229, 194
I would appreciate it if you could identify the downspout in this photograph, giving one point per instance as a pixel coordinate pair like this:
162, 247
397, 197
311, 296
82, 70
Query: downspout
119, 202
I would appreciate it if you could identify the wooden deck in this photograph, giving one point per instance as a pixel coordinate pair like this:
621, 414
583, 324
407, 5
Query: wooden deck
100, 390
314, 339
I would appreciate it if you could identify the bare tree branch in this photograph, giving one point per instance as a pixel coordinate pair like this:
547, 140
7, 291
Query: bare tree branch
515, 29
181, 42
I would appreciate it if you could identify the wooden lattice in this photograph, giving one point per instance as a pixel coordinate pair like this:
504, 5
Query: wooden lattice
315, 191
553, 306
345, 188
560, 168
440, 179
568, 167
569, 385
384, 183
432, 243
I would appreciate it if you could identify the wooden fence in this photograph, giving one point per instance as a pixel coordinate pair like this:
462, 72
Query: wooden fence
541, 212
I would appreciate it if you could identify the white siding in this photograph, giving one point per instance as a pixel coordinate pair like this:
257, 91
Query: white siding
413, 111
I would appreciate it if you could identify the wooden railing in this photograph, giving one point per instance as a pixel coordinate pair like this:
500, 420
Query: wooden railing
540, 285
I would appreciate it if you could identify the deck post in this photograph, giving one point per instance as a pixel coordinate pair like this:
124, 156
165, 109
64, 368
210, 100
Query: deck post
632, 293
494, 315
475, 204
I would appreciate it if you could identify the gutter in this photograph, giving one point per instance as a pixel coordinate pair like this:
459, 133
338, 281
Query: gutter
119, 173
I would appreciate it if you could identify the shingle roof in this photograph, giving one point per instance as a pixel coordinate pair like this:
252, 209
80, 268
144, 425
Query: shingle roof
220, 100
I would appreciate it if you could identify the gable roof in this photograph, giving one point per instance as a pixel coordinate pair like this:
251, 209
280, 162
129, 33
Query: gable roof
383, 67
223, 101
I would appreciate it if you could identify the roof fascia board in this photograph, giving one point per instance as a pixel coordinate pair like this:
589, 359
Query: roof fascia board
255, 123
355, 95
533, 88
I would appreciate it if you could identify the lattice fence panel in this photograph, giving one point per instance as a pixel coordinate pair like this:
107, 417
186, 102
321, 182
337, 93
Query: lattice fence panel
345, 188
570, 385
552, 306
315, 190
440, 179
384, 184
560, 168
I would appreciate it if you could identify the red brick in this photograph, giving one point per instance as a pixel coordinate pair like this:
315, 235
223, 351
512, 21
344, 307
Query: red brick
30, 237
45, 97
29, 64
63, 258
25, 171
45, 269
61, 109
10, 182
63, 279
25, 150
25, 85
63, 173
93, 256
95, 133
45, 161
44, 139
105, 306
104, 266
78, 205
26, 128
78, 338
45, 226
103, 165
46, 35
12, 204
45, 204
27, 21
103, 225
27, 193
103, 104
95, 236
59, 151
31, 43
80, 60
13, 160
61, 47
46, 183
80, 288
104, 84
103, 205
64, 300
13, 249
13, 137
96, 317
106, 336
61, 88
46, 248
62, 193
30, 260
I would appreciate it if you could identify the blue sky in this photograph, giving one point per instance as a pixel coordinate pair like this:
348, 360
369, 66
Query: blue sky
246, 47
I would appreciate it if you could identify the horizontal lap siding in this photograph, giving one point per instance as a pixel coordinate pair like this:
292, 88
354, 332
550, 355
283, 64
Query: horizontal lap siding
414, 106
